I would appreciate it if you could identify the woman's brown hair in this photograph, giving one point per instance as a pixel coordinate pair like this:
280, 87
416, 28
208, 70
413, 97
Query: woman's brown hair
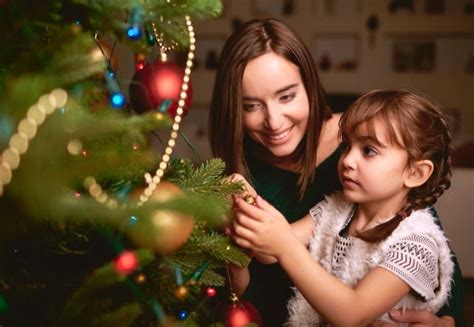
415, 124
226, 130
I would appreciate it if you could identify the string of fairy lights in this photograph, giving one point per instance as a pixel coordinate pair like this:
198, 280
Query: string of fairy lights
155, 180
90, 183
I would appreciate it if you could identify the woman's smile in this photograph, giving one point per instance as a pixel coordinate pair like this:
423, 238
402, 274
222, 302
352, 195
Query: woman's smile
279, 138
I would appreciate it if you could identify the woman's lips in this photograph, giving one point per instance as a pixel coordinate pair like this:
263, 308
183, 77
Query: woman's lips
278, 138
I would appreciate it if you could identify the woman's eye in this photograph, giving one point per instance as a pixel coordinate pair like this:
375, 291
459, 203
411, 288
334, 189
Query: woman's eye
369, 151
287, 97
250, 106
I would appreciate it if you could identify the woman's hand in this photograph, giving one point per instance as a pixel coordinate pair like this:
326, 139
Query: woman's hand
419, 318
261, 228
249, 190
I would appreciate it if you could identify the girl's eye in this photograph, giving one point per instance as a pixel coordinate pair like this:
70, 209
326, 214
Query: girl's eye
369, 151
251, 106
288, 97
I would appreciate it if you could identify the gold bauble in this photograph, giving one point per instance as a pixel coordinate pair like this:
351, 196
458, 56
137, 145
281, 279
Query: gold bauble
104, 51
164, 231
166, 191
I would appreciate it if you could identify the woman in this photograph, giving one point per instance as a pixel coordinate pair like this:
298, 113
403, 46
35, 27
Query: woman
269, 122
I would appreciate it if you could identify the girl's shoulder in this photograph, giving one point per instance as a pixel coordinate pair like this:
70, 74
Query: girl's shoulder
420, 222
421, 226
333, 208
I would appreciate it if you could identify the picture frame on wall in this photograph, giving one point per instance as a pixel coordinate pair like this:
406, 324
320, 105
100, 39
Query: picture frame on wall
455, 53
206, 55
413, 55
337, 7
336, 52
274, 7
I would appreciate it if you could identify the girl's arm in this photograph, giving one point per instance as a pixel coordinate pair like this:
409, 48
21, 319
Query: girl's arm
264, 229
240, 278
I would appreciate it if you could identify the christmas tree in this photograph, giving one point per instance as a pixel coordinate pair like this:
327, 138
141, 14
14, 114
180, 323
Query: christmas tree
97, 228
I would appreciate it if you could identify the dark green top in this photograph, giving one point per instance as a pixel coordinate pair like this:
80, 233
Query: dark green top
269, 289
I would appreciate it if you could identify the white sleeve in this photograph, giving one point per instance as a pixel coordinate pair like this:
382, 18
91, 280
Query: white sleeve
414, 259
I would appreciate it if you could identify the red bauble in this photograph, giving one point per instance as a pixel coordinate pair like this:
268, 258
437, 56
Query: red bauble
157, 82
239, 314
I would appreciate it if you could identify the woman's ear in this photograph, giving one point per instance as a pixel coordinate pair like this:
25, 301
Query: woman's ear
418, 173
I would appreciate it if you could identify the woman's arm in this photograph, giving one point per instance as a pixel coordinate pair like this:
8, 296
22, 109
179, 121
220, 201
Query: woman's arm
265, 230
421, 318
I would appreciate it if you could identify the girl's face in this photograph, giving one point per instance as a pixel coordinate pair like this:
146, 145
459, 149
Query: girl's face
275, 106
373, 171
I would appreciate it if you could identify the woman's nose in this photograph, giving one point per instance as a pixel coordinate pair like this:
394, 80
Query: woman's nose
273, 118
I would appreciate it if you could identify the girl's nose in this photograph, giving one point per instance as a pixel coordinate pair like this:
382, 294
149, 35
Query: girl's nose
348, 159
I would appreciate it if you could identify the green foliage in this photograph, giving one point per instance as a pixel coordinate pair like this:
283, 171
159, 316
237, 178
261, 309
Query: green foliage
57, 243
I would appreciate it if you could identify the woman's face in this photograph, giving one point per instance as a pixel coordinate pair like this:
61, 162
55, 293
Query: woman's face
275, 105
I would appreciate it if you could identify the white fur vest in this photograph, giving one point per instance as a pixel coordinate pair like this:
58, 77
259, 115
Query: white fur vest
417, 251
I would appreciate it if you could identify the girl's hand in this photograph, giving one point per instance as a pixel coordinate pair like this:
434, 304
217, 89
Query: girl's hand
262, 228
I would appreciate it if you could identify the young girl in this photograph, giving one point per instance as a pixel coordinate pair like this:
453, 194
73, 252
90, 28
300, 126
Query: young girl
377, 246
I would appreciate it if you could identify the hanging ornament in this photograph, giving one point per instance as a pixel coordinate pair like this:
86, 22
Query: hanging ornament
126, 262
157, 82
164, 231
166, 191
239, 313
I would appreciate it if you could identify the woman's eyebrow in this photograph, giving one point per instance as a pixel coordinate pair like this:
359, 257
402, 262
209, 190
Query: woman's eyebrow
286, 88
283, 89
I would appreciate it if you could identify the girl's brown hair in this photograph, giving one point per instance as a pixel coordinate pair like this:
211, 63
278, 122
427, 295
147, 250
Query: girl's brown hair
415, 124
226, 131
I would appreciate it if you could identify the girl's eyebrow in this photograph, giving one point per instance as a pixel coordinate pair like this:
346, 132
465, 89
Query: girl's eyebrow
283, 89
365, 138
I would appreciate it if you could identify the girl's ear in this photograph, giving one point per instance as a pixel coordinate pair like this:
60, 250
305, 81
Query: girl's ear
418, 173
